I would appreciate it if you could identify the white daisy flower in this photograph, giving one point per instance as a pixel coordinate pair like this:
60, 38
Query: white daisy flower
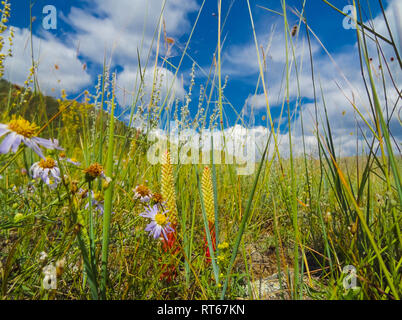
21, 130
47, 170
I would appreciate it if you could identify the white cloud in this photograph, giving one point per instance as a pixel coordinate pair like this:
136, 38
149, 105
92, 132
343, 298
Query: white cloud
129, 80
115, 28
394, 16
241, 61
48, 52
343, 71
118, 28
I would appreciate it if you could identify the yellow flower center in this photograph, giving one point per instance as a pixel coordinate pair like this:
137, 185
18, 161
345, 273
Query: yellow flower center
160, 219
143, 190
23, 127
73, 160
98, 196
94, 170
47, 163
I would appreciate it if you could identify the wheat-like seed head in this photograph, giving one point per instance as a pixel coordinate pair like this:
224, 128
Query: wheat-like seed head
167, 188
208, 195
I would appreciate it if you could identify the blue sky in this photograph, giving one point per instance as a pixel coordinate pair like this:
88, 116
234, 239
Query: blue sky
86, 30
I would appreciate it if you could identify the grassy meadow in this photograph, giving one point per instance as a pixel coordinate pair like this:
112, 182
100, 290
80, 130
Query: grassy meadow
89, 217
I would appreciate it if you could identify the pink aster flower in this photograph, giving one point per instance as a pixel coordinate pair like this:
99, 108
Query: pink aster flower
159, 224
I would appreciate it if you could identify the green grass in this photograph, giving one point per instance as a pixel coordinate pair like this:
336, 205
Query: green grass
317, 214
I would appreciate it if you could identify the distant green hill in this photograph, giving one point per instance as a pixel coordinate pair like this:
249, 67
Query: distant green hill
37, 104
39, 108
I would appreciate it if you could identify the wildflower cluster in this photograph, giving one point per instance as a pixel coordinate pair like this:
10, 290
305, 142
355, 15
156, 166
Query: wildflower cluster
73, 117
223, 257
160, 226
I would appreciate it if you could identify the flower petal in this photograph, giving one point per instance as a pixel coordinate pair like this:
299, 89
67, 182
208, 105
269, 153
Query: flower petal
157, 231
16, 143
3, 129
164, 234
30, 143
7, 142
47, 143
151, 226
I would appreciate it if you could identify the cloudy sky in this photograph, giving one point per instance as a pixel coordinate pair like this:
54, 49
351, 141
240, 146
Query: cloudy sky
122, 34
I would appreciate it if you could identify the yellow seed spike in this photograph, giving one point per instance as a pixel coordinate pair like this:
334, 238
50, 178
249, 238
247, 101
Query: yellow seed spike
208, 195
167, 188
